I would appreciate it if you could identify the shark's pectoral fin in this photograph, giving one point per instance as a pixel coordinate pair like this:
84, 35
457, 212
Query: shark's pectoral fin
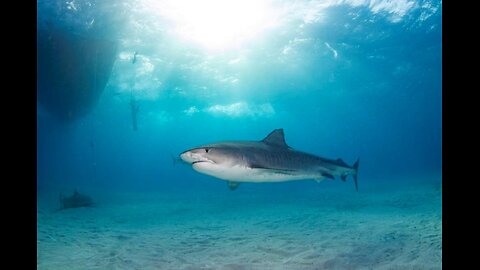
233, 185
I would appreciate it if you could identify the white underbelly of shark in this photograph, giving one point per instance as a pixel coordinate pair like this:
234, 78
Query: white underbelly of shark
246, 174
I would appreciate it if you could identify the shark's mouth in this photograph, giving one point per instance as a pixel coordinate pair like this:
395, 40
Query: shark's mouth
199, 161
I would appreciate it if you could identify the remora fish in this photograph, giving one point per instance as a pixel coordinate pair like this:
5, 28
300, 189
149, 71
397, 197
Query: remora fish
268, 160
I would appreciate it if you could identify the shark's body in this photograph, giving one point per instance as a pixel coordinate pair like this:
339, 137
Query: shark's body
268, 160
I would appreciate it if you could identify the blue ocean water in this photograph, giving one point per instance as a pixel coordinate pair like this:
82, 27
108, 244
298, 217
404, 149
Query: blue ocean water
344, 79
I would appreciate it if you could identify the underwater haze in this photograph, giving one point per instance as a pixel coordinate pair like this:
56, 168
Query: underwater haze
124, 87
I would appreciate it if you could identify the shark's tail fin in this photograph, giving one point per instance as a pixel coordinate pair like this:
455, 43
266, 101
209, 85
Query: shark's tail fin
355, 167
60, 199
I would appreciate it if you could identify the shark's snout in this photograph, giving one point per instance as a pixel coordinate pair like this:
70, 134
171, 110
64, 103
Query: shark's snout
187, 156
193, 156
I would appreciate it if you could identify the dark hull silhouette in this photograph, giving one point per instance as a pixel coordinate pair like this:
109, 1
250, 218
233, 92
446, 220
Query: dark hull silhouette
72, 72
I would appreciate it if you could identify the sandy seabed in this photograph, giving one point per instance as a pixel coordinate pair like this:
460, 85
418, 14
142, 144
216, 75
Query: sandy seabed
386, 229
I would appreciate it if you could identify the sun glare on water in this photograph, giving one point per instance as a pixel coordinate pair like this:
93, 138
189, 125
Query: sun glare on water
216, 24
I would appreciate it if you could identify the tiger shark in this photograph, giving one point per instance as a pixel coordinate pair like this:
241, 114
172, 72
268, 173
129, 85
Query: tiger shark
268, 160
74, 201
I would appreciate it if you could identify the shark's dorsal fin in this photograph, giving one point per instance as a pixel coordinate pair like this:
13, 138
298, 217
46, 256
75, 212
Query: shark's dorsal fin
276, 138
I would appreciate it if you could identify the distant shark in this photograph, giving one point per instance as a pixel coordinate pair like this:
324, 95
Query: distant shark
74, 201
268, 160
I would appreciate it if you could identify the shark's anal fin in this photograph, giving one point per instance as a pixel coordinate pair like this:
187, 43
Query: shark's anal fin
328, 176
318, 179
233, 185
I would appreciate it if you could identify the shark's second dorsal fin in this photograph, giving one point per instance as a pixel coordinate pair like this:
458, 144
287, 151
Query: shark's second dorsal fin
276, 138
340, 161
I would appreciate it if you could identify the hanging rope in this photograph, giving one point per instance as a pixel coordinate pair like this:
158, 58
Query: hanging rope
134, 60
133, 103
92, 122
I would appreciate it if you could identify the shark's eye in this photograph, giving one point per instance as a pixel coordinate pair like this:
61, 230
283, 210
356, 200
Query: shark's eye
206, 150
